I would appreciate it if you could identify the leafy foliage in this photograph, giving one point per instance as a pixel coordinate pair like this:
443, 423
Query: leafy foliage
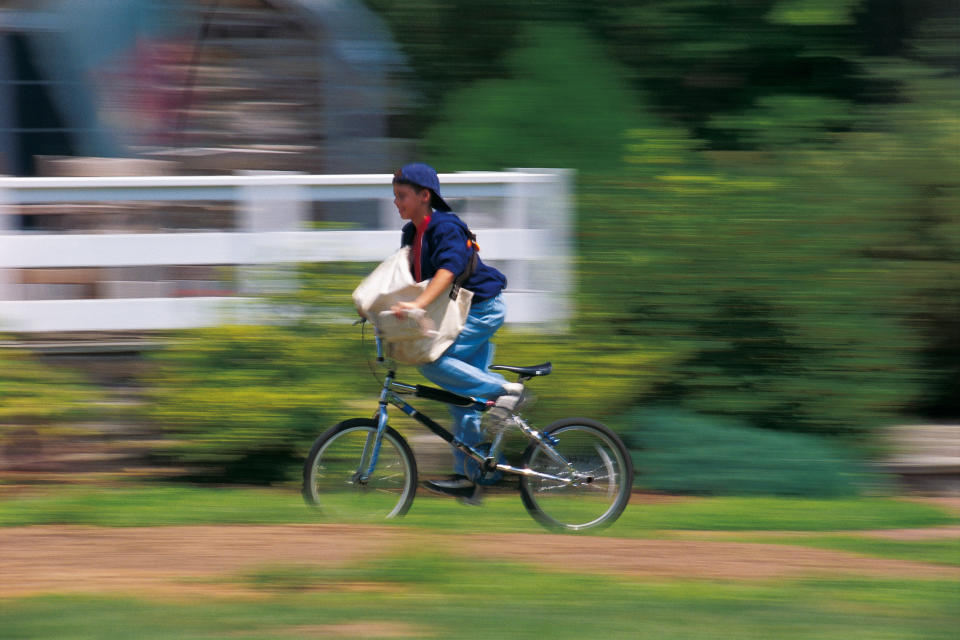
243, 402
38, 397
808, 285
790, 314
677, 452
562, 104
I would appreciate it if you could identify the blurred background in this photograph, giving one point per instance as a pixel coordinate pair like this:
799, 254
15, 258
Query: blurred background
762, 242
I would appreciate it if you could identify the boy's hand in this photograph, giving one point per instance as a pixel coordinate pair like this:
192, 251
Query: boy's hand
403, 309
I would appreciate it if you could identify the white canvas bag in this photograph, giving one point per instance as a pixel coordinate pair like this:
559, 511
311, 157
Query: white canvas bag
418, 341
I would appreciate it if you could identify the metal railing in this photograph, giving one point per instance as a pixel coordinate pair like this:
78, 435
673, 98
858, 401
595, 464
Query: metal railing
521, 218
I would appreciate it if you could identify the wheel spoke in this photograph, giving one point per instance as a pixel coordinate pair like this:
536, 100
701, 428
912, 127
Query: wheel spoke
601, 474
331, 473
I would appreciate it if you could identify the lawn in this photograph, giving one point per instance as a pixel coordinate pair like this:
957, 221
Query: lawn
153, 505
432, 595
438, 591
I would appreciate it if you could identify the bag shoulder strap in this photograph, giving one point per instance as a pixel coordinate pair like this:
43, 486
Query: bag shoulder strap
471, 265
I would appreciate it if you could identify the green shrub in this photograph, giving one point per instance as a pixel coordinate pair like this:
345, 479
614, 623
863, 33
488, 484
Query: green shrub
680, 452
38, 401
243, 403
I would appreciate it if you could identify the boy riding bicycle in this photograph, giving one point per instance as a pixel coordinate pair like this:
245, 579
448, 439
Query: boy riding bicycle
440, 250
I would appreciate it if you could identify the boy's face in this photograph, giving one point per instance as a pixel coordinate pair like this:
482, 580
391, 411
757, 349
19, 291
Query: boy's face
410, 204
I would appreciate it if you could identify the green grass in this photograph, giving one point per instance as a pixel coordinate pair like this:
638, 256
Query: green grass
151, 505
787, 514
943, 551
936, 551
154, 505
435, 593
430, 594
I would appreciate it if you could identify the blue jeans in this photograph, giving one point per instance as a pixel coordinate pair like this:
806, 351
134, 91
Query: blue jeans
463, 369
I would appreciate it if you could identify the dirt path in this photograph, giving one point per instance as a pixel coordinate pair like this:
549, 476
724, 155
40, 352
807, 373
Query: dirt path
696, 558
208, 558
76, 558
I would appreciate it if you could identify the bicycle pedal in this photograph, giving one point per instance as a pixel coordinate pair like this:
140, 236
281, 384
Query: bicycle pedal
475, 499
484, 474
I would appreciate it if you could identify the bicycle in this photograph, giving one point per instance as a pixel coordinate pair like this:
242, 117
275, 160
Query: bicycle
575, 474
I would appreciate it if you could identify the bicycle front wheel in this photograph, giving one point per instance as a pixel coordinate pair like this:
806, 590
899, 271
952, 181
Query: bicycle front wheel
591, 476
334, 474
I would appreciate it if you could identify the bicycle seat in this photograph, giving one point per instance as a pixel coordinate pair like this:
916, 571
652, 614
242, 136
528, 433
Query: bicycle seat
525, 372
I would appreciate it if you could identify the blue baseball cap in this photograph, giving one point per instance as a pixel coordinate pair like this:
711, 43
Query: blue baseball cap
423, 175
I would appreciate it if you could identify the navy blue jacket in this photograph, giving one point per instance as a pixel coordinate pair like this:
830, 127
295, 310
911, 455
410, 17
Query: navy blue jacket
445, 247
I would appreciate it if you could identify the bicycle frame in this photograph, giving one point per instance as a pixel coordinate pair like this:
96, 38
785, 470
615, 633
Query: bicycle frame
390, 394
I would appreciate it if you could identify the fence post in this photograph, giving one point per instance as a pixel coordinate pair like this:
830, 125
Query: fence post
264, 208
556, 215
546, 207
516, 213
7, 212
388, 218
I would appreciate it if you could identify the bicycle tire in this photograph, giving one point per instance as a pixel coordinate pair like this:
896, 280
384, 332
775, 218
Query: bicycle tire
605, 469
330, 470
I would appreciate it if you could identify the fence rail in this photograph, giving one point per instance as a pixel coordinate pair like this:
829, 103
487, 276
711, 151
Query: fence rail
521, 219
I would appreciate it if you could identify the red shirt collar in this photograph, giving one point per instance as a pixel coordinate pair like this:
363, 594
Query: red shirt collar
423, 225
416, 254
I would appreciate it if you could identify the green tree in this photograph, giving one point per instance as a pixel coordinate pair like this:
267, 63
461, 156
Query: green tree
915, 146
562, 104
450, 44
702, 60
810, 285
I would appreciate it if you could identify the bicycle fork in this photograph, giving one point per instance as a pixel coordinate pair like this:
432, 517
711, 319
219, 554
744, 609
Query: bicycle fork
371, 450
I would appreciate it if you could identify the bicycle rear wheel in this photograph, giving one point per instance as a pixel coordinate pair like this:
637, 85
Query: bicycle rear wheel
332, 473
594, 476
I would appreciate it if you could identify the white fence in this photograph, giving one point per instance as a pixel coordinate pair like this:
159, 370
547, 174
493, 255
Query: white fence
521, 219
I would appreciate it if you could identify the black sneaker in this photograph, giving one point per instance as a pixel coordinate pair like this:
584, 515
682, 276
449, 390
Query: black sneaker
456, 485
